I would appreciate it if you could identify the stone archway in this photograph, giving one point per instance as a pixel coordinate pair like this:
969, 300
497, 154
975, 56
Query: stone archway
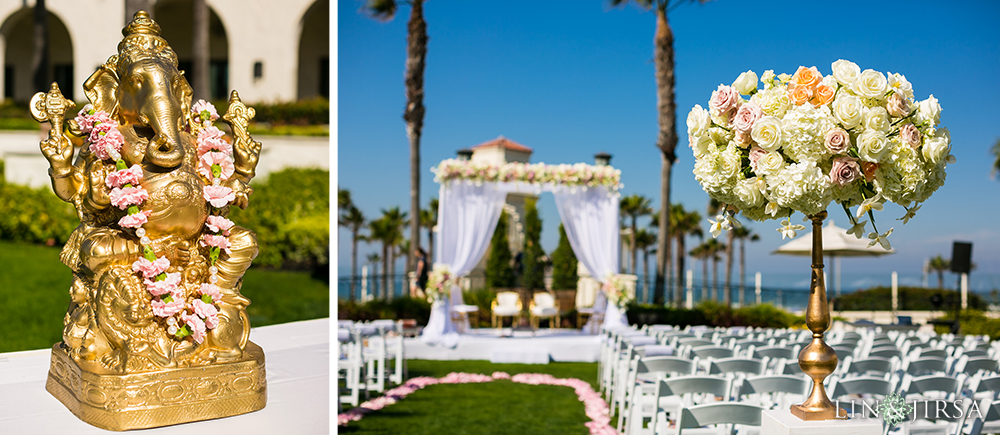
174, 18
17, 32
314, 52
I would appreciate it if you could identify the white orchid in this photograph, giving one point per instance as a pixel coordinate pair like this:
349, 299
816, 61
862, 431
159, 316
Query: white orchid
858, 230
910, 213
772, 209
788, 230
869, 205
881, 239
721, 223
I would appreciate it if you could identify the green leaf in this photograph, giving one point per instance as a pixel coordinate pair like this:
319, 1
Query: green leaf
207, 299
182, 332
120, 165
213, 254
148, 253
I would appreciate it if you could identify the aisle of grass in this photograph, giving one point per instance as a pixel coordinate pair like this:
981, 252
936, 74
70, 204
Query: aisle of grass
498, 407
34, 296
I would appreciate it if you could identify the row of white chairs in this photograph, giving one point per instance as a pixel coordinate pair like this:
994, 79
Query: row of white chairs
371, 355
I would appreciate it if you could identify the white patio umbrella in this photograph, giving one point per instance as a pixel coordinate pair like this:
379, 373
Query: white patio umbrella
836, 243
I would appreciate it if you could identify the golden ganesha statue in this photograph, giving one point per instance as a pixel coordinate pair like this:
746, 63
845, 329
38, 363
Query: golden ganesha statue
157, 331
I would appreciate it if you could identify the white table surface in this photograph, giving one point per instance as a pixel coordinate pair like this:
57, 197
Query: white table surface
298, 392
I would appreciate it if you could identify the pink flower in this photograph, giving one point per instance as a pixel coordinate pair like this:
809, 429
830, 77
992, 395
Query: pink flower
217, 241
212, 291
213, 158
210, 132
724, 99
210, 144
219, 224
150, 269
111, 137
204, 310
203, 106
746, 116
122, 177
898, 105
160, 288
167, 309
196, 325
122, 197
212, 322
838, 141
500, 375
219, 196
135, 220
845, 170
910, 135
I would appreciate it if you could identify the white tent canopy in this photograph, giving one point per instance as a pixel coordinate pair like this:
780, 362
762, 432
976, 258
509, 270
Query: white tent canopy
836, 243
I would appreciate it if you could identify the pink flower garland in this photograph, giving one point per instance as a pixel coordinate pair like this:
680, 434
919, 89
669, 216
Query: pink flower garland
594, 406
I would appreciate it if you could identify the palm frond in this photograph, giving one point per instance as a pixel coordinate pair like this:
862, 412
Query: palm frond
382, 10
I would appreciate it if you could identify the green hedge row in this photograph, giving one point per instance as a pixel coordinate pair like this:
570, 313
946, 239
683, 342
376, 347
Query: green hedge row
910, 299
400, 308
34, 215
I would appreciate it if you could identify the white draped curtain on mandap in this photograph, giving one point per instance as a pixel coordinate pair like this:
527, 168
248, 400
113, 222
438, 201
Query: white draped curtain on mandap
467, 217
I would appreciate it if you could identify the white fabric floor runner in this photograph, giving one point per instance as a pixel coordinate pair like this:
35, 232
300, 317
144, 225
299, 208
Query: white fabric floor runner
561, 345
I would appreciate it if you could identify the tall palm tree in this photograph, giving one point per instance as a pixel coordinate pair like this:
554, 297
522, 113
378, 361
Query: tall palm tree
428, 219
701, 252
713, 246
682, 224
634, 206
940, 265
413, 114
354, 221
379, 231
743, 234
644, 240
374, 258
663, 55
395, 220
344, 199
996, 155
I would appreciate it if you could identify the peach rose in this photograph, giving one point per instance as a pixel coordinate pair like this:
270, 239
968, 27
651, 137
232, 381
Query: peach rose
742, 138
898, 105
823, 95
800, 95
869, 169
724, 99
909, 134
808, 77
746, 116
845, 170
838, 141
755, 154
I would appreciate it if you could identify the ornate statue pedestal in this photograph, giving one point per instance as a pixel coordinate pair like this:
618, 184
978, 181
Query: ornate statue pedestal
164, 397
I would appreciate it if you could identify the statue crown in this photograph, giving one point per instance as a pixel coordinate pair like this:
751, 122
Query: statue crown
142, 40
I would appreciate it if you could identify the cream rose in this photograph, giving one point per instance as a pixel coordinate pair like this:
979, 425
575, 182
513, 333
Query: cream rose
724, 99
749, 192
767, 133
701, 144
746, 116
698, 121
838, 141
910, 135
848, 110
770, 163
872, 145
899, 83
929, 111
844, 171
845, 71
937, 147
729, 162
746, 83
898, 105
877, 118
871, 84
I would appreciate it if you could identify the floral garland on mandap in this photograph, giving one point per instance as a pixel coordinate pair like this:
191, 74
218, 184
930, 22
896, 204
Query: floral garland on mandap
806, 140
439, 282
616, 291
183, 315
580, 174
594, 406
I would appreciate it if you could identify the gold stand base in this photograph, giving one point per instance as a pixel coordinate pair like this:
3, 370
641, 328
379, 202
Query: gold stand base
162, 398
813, 414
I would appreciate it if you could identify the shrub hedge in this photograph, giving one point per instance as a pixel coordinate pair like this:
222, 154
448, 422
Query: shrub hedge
910, 299
34, 215
400, 308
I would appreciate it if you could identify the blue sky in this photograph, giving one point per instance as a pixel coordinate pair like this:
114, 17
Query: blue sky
571, 78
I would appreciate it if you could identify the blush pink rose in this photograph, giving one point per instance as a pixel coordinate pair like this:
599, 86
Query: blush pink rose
210, 144
746, 116
196, 325
845, 170
838, 141
160, 288
202, 106
742, 138
212, 291
166, 309
219, 224
724, 99
755, 154
214, 158
898, 105
122, 197
150, 269
910, 135
216, 241
219, 196
135, 220
122, 177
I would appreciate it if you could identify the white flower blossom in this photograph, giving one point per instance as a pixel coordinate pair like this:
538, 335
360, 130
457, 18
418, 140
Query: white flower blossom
858, 230
788, 230
882, 239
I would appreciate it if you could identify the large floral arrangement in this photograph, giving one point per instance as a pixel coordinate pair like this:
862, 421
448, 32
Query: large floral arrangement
439, 282
616, 291
857, 138
580, 174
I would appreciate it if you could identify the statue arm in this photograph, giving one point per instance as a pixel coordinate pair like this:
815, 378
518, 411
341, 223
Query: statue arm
246, 151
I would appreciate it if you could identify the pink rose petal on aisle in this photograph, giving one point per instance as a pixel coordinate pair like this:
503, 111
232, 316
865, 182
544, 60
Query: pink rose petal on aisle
150, 269
219, 196
123, 197
135, 220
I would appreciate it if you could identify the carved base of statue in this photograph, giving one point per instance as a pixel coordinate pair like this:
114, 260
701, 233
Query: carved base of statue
173, 396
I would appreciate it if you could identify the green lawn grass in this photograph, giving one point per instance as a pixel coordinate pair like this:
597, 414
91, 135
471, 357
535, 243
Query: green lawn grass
498, 407
34, 295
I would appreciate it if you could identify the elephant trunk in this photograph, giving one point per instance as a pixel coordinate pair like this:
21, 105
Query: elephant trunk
165, 149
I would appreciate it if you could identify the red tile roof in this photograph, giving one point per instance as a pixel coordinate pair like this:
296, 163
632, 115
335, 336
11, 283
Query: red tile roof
502, 142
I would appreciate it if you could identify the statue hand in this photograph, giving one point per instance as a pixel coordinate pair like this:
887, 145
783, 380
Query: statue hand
242, 191
58, 151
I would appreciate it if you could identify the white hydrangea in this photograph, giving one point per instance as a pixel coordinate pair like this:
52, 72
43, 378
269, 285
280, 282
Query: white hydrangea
801, 187
773, 101
749, 192
804, 132
718, 170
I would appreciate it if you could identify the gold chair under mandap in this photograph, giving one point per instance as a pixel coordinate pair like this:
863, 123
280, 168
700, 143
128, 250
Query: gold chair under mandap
544, 306
506, 304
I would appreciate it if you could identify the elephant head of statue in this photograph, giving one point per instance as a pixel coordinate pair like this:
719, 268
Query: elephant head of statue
142, 89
